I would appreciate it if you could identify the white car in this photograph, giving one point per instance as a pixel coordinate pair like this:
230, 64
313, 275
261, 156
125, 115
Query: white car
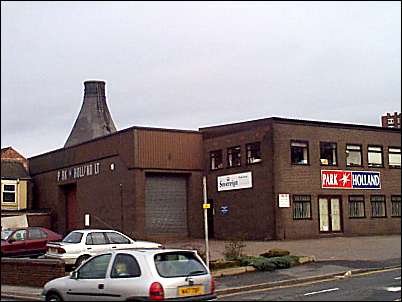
136, 275
79, 245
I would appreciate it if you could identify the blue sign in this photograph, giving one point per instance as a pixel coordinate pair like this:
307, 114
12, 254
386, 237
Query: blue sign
366, 180
224, 210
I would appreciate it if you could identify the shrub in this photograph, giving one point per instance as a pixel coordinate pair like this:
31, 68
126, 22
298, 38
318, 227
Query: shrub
269, 264
275, 252
233, 249
221, 264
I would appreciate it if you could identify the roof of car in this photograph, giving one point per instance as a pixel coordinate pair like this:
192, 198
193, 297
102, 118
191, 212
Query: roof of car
94, 230
151, 251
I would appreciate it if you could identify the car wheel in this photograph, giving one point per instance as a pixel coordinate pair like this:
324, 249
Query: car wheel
81, 259
53, 297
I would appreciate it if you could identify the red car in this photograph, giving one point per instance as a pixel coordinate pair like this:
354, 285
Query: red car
29, 241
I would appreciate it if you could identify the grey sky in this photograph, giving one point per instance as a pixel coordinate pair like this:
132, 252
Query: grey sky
195, 64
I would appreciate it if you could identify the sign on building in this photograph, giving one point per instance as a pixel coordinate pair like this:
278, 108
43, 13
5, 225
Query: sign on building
284, 200
338, 179
235, 181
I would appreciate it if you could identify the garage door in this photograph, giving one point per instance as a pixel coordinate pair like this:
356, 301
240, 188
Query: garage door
166, 204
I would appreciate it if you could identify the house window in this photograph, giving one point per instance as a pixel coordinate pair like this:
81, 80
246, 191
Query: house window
396, 205
390, 121
299, 152
253, 152
374, 156
356, 206
234, 157
394, 157
216, 160
328, 154
353, 155
301, 207
378, 206
9, 193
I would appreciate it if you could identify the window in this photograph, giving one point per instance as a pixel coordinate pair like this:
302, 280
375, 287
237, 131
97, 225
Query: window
301, 207
328, 154
178, 264
20, 235
356, 206
374, 156
253, 152
216, 160
396, 205
35, 234
353, 155
378, 206
73, 237
299, 152
125, 266
95, 238
95, 268
9, 193
234, 157
394, 157
390, 120
116, 238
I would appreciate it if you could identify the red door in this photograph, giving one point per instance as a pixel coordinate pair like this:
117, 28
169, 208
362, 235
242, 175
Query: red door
71, 200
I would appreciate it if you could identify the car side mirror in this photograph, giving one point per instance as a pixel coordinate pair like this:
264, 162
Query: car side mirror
74, 275
11, 240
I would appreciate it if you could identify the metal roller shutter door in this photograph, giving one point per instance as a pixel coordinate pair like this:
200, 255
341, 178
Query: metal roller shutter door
166, 204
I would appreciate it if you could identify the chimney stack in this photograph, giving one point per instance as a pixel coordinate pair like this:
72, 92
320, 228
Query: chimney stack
94, 119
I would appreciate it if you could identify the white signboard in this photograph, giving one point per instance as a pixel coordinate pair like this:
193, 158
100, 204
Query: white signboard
235, 181
284, 200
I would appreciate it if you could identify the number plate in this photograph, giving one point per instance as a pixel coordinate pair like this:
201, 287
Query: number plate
191, 291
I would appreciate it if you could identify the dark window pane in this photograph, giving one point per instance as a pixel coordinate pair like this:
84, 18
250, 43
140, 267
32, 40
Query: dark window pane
356, 206
299, 153
253, 153
378, 206
95, 268
117, 238
216, 160
234, 156
8, 197
328, 154
301, 207
396, 206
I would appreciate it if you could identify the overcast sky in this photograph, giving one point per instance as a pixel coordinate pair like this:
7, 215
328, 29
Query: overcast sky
186, 65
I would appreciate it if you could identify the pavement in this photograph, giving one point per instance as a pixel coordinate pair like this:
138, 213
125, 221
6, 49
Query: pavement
336, 256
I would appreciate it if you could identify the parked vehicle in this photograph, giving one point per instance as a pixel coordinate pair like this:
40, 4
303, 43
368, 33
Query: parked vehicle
79, 245
139, 275
28, 241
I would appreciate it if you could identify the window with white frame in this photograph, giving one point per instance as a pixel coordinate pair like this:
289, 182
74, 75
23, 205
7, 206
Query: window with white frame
394, 157
353, 155
374, 156
378, 208
9, 193
396, 205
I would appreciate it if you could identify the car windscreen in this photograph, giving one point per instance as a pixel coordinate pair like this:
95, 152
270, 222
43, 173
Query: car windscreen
178, 264
73, 237
5, 234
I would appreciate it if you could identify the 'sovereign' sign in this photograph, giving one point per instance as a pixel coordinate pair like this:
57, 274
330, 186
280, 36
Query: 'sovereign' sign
235, 181
338, 179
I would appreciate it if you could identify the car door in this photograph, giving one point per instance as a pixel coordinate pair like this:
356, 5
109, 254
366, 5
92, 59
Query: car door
88, 282
36, 242
126, 279
117, 241
96, 243
17, 243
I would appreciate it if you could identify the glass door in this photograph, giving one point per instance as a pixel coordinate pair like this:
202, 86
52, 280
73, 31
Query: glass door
330, 214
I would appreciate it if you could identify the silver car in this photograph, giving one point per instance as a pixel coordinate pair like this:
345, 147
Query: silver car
80, 245
136, 275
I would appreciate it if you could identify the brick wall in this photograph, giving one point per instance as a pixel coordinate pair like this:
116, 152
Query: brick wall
30, 272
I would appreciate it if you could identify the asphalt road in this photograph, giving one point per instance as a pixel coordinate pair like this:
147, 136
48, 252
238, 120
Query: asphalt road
374, 286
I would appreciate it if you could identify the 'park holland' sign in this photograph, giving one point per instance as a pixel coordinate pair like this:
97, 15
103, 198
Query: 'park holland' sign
338, 179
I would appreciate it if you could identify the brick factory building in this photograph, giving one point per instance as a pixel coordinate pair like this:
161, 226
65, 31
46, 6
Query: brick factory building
272, 178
